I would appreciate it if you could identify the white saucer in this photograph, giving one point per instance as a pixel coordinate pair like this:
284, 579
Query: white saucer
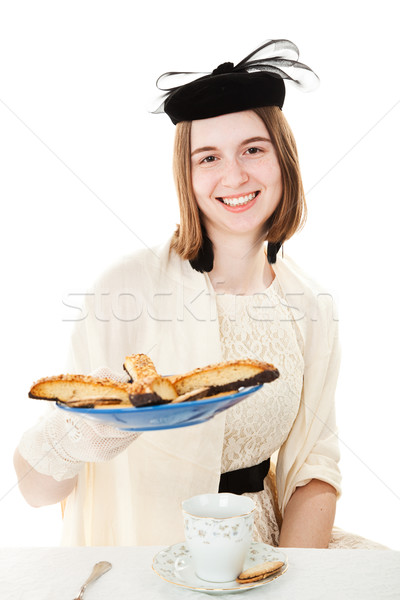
164, 565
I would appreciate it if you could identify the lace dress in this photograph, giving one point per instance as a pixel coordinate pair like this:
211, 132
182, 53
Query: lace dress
261, 326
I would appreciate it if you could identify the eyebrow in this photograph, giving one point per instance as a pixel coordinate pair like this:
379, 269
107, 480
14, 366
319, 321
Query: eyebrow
244, 143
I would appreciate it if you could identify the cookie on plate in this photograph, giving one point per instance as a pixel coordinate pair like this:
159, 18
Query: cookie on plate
259, 572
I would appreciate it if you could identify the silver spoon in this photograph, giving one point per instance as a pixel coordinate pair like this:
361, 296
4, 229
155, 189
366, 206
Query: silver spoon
98, 570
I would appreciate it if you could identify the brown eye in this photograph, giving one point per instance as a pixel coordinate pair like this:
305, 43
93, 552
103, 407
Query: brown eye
253, 150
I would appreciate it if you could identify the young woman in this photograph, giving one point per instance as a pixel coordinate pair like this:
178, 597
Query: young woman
217, 290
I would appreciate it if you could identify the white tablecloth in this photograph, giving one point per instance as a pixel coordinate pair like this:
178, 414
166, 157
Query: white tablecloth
57, 573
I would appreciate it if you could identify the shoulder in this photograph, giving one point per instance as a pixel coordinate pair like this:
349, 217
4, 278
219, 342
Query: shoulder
314, 305
294, 276
135, 269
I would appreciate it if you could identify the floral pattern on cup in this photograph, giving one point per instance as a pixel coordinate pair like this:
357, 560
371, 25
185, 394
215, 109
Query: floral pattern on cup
234, 528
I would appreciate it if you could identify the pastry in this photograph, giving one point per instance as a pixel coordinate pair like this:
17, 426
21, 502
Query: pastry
148, 388
82, 391
139, 366
152, 391
225, 376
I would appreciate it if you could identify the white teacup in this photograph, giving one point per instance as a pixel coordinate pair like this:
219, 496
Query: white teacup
218, 530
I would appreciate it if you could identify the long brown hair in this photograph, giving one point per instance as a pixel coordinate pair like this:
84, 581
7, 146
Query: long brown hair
289, 215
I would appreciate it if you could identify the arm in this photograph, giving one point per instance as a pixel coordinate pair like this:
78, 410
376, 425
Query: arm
51, 454
311, 451
309, 516
38, 489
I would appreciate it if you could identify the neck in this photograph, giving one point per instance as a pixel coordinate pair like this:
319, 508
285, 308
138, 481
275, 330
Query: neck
240, 266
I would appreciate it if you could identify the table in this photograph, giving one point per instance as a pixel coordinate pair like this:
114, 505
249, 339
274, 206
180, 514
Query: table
57, 573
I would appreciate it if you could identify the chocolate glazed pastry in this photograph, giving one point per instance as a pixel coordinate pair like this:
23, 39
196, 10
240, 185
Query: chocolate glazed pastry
225, 377
150, 389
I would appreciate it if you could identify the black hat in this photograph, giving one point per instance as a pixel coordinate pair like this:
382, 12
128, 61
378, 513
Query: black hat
257, 80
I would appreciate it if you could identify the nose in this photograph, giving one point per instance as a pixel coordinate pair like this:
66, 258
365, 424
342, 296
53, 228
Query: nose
234, 174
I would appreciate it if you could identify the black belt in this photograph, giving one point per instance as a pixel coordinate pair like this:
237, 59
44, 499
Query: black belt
244, 480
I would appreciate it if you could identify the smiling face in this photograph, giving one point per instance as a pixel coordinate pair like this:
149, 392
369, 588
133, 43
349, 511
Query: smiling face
236, 176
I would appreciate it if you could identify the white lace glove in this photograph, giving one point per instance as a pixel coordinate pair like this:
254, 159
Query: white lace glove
60, 443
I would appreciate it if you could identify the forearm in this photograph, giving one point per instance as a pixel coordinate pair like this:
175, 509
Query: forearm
38, 489
54, 450
309, 516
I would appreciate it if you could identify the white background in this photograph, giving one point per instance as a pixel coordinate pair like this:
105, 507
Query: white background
85, 177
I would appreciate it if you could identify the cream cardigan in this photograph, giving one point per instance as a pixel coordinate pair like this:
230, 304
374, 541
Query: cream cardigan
155, 303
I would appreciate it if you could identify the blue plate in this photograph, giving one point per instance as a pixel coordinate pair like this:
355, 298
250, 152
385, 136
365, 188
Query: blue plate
164, 416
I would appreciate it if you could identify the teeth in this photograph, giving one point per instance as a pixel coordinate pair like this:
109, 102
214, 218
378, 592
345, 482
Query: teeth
238, 201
